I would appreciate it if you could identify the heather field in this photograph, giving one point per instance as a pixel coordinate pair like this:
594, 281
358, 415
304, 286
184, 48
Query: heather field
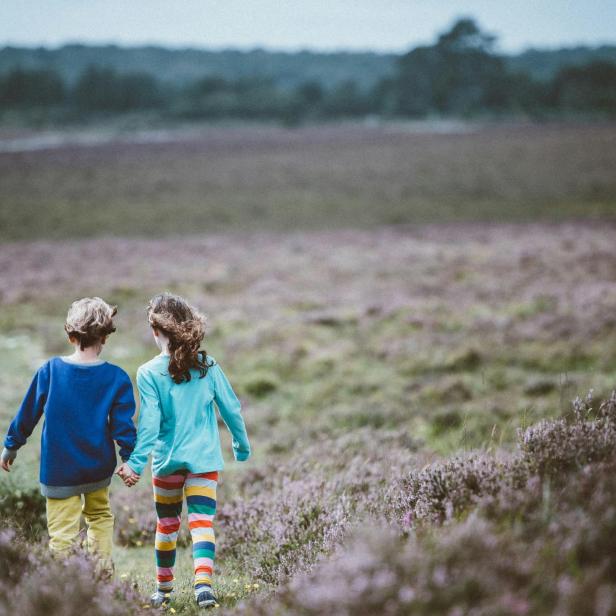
407, 387
220, 179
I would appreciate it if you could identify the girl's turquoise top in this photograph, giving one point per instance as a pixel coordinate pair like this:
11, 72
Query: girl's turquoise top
177, 422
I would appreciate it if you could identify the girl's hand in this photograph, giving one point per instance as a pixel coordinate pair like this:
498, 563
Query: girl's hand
128, 476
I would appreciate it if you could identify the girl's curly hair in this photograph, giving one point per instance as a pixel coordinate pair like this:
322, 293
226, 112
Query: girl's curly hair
184, 326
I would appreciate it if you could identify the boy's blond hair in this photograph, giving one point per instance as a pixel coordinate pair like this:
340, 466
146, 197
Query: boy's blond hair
89, 321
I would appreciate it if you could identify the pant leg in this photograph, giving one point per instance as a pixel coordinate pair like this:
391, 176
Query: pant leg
63, 516
200, 490
168, 498
99, 520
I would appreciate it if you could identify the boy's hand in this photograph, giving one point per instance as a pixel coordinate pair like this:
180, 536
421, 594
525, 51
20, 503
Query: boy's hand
6, 459
128, 476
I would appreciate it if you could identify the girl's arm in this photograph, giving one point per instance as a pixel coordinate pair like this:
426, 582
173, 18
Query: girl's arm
121, 418
148, 425
230, 407
28, 414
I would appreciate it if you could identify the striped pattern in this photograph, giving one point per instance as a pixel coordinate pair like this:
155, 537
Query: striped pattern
200, 492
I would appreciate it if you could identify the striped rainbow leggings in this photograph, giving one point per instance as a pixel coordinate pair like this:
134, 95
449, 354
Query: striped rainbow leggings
200, 492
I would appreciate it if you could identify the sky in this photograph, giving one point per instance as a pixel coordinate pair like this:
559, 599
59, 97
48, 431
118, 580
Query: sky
380, 25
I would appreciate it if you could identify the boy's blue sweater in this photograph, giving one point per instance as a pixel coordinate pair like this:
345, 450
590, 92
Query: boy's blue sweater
87, 408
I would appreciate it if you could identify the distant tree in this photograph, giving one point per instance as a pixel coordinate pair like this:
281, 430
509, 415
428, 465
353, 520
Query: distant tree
208, 86
346, 100
139, 91
383, 97
31, 88
215, 97
415, 84
460, 74
306, 101
586, 88
102, 89
310, 93
464, 36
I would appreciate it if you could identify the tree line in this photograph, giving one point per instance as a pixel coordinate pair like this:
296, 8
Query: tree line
461, 75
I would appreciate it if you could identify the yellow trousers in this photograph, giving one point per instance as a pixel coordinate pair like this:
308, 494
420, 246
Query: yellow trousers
64, 516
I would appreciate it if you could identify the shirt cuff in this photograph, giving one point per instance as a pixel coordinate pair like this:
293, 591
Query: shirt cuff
8, 454
241, 456
133, 467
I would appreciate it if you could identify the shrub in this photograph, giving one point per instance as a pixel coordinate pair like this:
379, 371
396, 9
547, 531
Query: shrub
551, 449
33, 583
289, 514
261, 385
23, 510
533, 534
557, 446
445, 490
445, 419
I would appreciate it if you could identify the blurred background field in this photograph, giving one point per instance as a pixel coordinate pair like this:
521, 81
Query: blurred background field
406, 259
270, 178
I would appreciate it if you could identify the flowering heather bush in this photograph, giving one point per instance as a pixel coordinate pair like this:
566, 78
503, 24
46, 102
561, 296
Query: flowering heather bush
23, 510
445, 490
288, 517
553, 447
382, 573
550, 565
33, 583
529, 544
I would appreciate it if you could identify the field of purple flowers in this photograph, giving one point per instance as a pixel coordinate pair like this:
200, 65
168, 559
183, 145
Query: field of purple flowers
221, 179
407, 392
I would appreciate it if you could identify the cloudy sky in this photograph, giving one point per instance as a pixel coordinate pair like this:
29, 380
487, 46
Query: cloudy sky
384, 25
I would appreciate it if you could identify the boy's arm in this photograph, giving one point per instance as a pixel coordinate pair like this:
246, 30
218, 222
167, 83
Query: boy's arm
121, 419
28, 414
148, 425
230, 407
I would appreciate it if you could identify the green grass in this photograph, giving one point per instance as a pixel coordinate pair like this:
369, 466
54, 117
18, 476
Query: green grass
230, 583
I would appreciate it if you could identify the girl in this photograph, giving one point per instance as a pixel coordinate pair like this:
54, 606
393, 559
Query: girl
177, 422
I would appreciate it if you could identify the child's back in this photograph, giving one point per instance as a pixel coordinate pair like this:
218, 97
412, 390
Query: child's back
86, 406
181, 419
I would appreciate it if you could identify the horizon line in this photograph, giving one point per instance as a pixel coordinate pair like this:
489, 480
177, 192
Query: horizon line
283, 50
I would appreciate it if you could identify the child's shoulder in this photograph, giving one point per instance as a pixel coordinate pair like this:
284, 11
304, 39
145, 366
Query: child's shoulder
156, 365
118, 372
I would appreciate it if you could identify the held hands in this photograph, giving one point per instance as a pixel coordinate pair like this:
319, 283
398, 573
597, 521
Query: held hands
128, 476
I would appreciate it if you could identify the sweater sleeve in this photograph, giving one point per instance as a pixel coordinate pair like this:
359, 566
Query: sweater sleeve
229, 407
148, 426
30, 410
121, 418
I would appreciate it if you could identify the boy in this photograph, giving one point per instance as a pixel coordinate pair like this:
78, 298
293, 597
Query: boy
88, 404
